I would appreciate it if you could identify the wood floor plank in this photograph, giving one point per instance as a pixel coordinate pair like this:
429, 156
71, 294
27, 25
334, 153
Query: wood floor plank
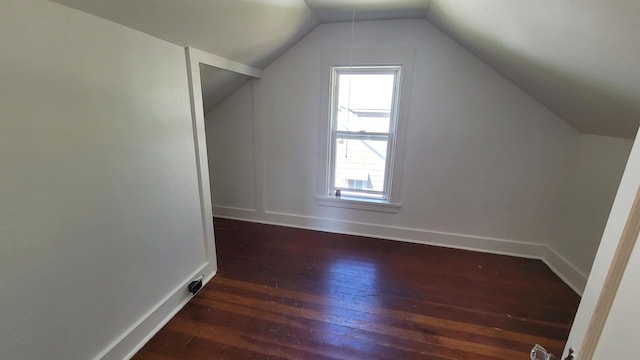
285, 293
348, 308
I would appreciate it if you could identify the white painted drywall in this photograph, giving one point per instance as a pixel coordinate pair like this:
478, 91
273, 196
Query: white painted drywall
478, 150
99, 203
483, 161
231, 151
613, 230
593, 177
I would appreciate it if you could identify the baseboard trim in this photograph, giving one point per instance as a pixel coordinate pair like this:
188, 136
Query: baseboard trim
132, 340
571, 275
566, 271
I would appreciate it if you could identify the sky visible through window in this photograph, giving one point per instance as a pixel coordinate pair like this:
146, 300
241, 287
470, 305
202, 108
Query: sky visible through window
371, 93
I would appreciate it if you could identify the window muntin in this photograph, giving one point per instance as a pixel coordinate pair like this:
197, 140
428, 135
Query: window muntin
363, 124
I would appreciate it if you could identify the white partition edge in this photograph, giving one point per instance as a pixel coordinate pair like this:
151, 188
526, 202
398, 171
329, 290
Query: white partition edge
195, 56
144, 329
202, 161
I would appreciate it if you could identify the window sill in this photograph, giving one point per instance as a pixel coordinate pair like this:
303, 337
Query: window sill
358, 203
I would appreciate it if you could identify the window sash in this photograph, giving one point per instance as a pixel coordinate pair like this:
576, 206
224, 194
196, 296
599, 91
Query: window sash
361, 135
389, 136
347, 191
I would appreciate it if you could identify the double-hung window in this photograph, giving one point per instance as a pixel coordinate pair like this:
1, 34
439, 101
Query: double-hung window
364, 110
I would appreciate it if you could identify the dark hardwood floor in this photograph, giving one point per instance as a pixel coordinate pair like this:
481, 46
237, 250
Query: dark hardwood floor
284, 293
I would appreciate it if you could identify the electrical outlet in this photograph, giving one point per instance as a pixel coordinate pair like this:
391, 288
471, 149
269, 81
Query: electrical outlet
195, 285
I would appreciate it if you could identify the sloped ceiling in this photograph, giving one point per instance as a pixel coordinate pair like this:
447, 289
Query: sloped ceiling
343, 10
581, 59
218, 84
253, 32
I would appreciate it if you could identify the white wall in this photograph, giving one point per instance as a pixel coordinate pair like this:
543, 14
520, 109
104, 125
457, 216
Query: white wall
231, 152
613, 231
485, 165
594, 174
99, 205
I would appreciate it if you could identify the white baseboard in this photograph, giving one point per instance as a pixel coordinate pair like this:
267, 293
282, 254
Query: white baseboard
558, 264
129, 343
572, 276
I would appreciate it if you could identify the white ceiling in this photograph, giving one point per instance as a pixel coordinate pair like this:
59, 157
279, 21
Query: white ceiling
581, 59
253, 32
218, 84
343, 10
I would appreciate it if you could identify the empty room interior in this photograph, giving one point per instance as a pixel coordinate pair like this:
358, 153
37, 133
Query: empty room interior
319, 179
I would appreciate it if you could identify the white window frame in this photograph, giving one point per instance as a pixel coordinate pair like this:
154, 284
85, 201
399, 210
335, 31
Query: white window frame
390, 136
403, 56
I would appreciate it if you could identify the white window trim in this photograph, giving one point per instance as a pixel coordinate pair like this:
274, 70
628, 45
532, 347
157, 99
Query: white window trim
358, 203
403, 57
390, 135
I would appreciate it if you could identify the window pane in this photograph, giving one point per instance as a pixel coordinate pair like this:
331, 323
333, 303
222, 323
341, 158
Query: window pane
364, 102
360, 164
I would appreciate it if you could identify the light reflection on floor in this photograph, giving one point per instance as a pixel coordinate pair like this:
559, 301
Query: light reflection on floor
351, 288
